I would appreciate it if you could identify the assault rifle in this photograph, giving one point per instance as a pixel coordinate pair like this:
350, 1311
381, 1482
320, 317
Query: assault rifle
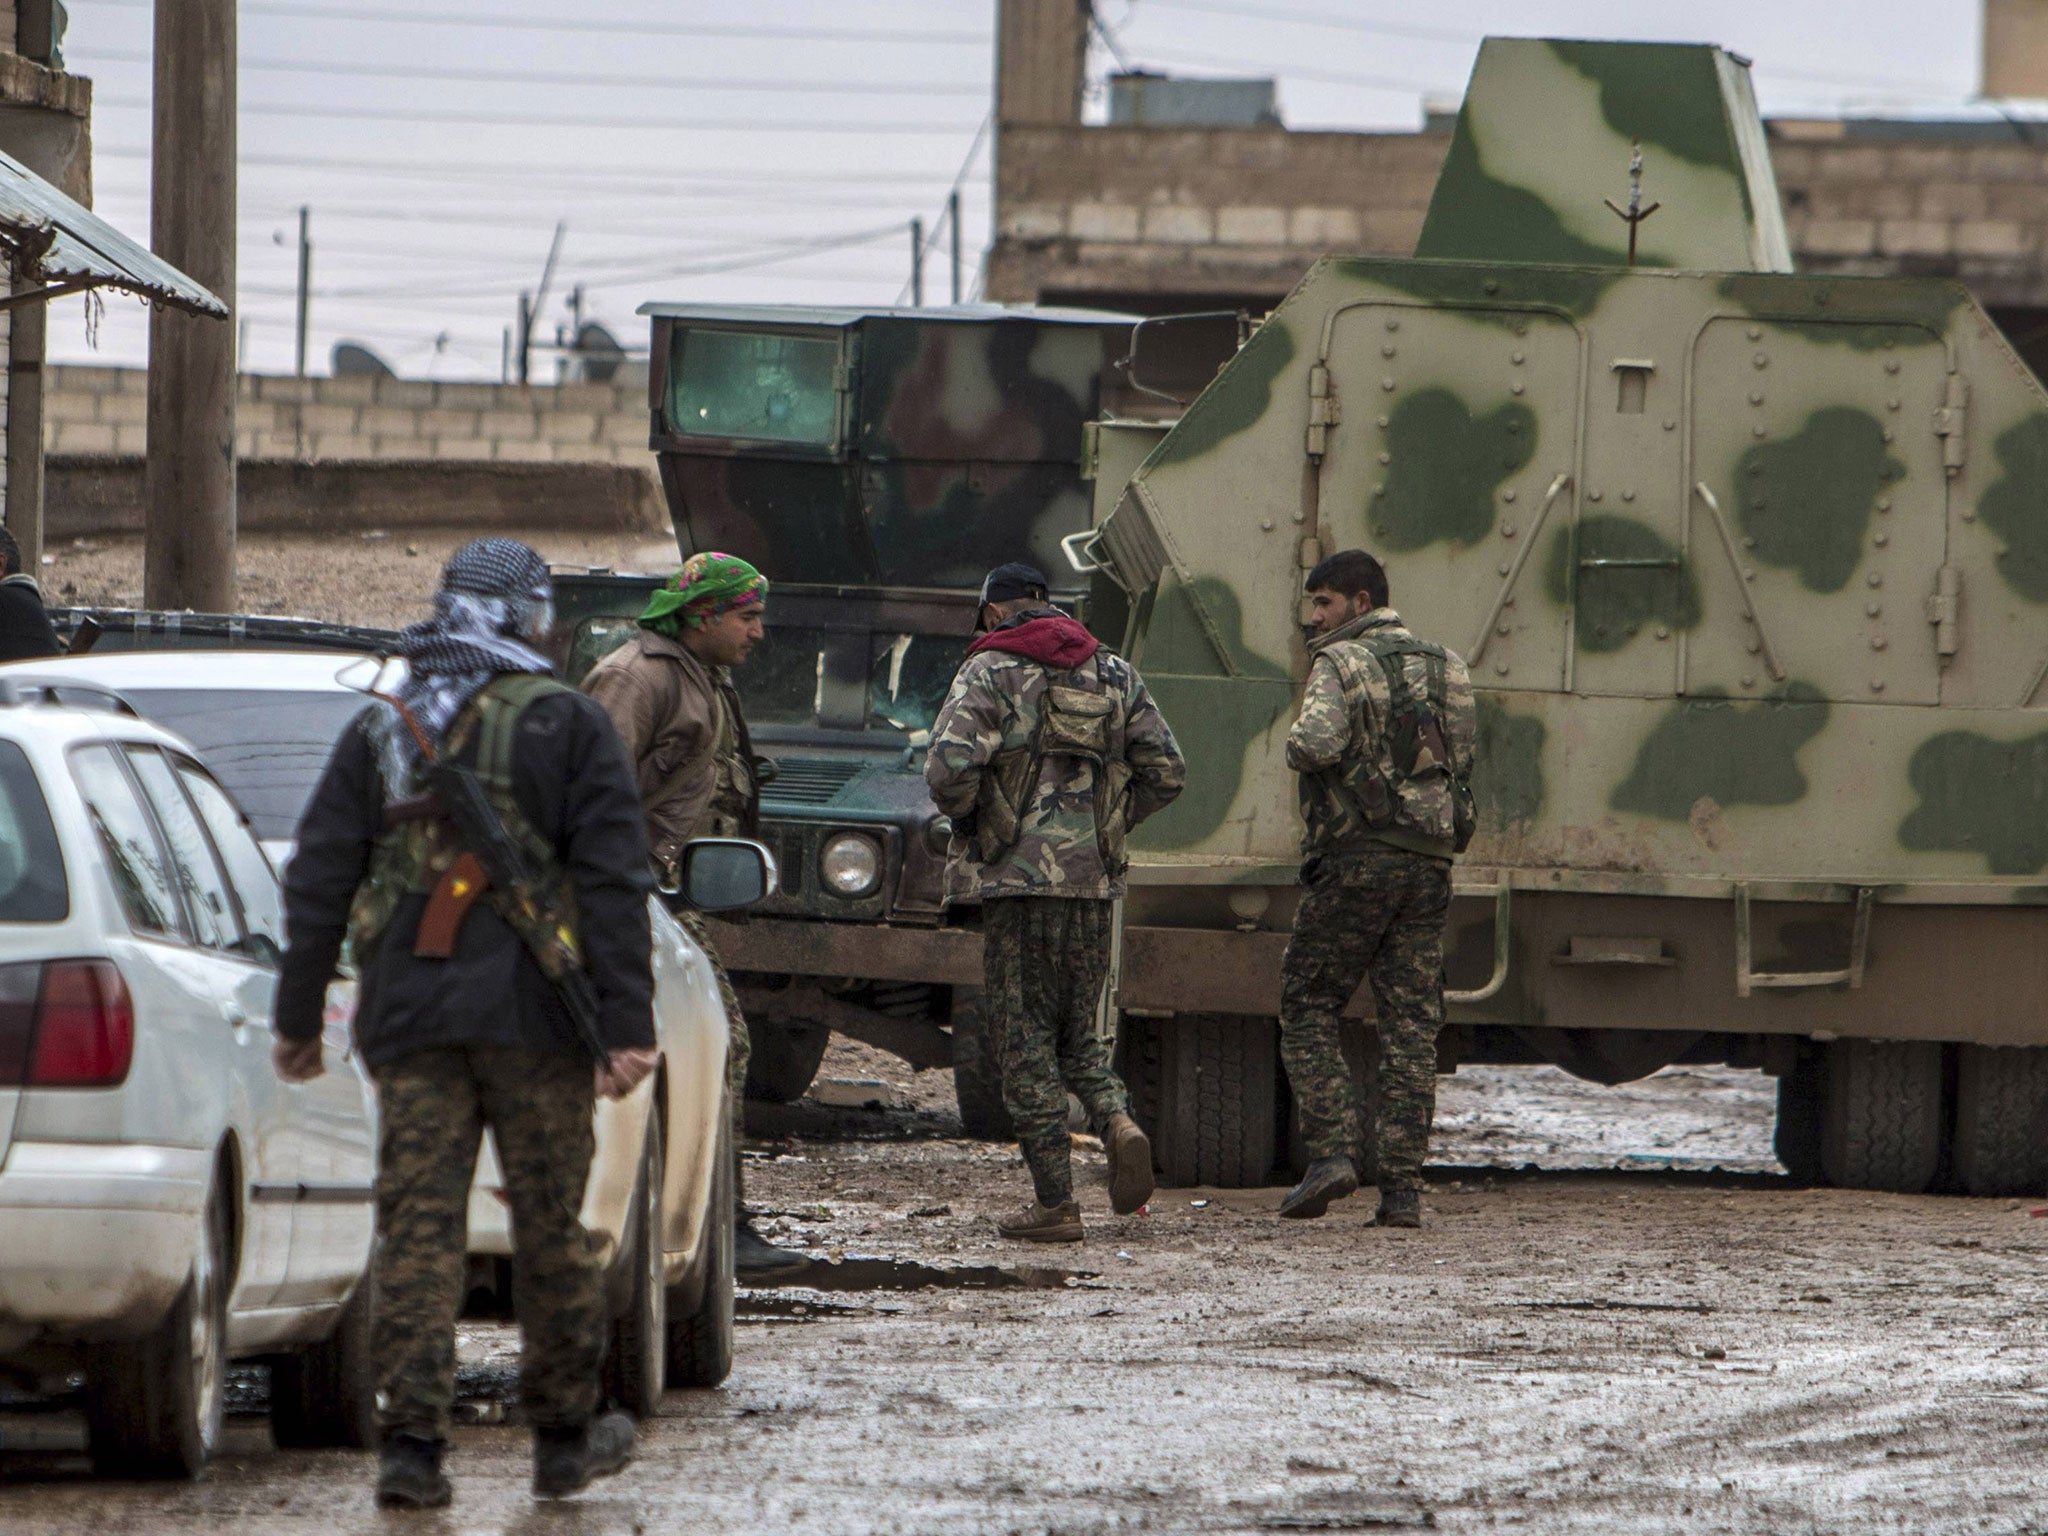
517, 887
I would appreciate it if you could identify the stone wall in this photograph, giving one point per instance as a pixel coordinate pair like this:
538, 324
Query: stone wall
104, 412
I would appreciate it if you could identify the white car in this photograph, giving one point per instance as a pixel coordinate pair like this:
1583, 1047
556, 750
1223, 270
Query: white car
166, 1204
267, 721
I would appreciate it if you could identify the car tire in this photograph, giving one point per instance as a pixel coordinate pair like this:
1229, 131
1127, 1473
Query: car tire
700, 1311
977, 1071
326, 1395
785, 1058
1881, 1115
636, 1350
1219, 1108
2001, 1127
153, 1407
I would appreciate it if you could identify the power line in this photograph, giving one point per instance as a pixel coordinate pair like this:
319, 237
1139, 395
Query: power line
529, 120
581, 78
304, 12
930, 243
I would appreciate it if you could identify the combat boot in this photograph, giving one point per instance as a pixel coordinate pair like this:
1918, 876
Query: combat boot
1037, 1223
1327, 1179
1400, 1208
409, 1474
1130, 1164
566, 1461
756, 1261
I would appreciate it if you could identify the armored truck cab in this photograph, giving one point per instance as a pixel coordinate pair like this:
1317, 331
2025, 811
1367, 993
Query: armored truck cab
1751, 570
874, 464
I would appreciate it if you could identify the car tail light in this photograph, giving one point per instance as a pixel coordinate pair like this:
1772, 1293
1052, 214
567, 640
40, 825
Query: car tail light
84, 1026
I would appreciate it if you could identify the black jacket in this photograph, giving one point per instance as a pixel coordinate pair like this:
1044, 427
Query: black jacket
25, 631
571, 778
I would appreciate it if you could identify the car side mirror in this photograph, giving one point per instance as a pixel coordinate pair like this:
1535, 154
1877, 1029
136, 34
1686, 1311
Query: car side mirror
723, 874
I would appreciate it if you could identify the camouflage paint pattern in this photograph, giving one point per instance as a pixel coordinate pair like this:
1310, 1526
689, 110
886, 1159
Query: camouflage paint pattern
1377, 915
1044, 963
433, 1108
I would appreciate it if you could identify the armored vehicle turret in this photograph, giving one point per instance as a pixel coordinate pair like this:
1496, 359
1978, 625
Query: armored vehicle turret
1751, 569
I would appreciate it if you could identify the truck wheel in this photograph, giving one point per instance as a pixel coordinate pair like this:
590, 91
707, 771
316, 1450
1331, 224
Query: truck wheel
977, 1071
1140, 1063
326, 1395
785, 1058
1802, 1095
636, 1349
2001, 1132
1881, 1115
153, 1408
1219, 1101
700, 1310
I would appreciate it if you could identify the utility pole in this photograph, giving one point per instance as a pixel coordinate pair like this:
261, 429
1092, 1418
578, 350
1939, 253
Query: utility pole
189, 521
953, 229
917, 263
305, 280
530, 308
35, 38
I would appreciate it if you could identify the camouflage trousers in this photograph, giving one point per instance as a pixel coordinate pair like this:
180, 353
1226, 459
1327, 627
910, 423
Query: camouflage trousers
1378, 914
741, 1048
433, 1108
1044, 960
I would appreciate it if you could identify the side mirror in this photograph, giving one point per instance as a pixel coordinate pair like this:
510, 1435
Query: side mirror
723, 874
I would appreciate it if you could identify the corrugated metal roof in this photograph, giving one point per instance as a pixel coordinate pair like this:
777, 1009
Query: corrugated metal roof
58, 240
834, 314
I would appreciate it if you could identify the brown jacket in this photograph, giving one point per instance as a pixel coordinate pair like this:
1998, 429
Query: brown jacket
670, 710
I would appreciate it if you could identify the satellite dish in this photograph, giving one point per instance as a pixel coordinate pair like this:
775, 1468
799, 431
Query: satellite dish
359, 362
598, 353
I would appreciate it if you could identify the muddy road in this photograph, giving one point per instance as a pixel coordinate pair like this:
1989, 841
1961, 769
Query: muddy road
1649, 1330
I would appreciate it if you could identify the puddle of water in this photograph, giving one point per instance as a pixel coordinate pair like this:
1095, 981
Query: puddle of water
774, 1307
867, 1272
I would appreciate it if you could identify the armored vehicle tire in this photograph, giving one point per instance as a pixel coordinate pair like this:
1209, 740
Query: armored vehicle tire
1219, 1100
1140, 1054
699, 1311
636, 1348
1802, 1095
977, 1070
153, 1408
784, 1058
2001, 1129
1881, 1115
327, 1395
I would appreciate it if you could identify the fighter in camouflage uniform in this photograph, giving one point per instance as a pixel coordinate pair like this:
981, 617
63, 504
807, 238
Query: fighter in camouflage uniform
1384, 750
669, 691
1047, 752
456, 1020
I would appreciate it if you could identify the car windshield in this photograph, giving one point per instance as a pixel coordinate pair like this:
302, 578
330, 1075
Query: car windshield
268, 747
851, 679
768, 388
32, 884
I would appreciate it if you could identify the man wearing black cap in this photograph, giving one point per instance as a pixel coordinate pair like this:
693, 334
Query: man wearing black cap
1047, 752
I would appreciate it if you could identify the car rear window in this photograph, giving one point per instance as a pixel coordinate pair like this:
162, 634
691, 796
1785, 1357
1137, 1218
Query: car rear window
268, 747
33, 888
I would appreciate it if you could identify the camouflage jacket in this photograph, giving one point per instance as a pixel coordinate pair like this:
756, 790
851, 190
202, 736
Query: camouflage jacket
1365, 776
992, 713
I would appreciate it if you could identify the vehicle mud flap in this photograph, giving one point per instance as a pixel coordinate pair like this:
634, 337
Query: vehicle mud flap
2000, 1144
1139, 1062
1881, 1115
785, 1057
1219, 1102
1796, 1138
977, 1070
1361, 1046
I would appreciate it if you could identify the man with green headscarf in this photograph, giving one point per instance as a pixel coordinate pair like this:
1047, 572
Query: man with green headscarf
669, 691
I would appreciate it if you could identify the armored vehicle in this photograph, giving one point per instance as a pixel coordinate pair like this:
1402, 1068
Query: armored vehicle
874, 464
1751, 569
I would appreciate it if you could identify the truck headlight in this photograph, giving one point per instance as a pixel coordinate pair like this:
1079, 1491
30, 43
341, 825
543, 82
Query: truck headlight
850, 865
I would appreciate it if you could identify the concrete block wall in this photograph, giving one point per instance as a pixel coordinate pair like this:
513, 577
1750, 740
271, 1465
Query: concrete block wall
102, 412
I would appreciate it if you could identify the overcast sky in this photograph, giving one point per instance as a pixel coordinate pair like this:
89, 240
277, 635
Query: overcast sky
760, 151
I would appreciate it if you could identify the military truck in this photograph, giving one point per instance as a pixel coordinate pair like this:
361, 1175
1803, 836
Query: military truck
1751, 570
874, 464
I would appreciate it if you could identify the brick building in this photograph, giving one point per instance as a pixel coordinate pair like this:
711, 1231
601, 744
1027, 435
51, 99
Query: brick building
1157, 218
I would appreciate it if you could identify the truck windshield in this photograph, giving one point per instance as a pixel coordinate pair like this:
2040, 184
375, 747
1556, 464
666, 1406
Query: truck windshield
767, 388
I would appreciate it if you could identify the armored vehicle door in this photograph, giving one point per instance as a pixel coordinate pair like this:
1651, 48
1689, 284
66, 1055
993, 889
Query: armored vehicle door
1453, 450
1819, 507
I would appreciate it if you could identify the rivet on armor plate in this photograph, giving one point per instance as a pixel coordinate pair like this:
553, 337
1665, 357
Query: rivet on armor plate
1507, 530
1501, 667
1670, 425
1891, 405
1756, 397
1383, 421
1387, 385
1663, 632
1884, 504
1877, 685
1881, 540
1592, 495
1761, 360
1266, 523
1876, 578
1507, 496
1891, 367
1756, 333
1379, 489
1516, 358
1758, 432
1386, 458
1628, 495
1387, 350
1505, 629
1887, 434
1515, 388
1393, 325
1877, 642
1748, 542
1505, 568
1749, 682
1749, 575
1873, 609
1754, 647
1491, 285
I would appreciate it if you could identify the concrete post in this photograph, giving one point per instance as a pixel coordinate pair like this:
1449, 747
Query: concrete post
1041, 60
188, 558
29, 326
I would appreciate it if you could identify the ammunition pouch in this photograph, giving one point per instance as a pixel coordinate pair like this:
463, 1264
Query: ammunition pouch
1085, 723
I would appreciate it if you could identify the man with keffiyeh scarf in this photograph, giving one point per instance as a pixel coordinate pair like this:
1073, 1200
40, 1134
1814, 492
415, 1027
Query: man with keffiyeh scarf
457, 1022
669, 692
